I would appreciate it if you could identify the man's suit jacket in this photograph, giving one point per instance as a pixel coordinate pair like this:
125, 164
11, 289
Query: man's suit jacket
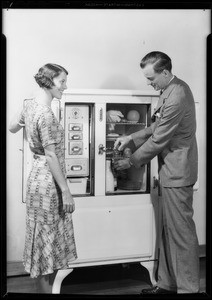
172, 137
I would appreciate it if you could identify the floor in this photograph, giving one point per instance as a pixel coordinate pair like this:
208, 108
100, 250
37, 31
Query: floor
116, 280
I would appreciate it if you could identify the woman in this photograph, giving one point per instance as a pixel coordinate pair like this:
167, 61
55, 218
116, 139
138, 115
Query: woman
49, 243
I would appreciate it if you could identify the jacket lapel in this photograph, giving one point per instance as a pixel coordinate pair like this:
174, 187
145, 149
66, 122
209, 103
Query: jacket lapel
165, 94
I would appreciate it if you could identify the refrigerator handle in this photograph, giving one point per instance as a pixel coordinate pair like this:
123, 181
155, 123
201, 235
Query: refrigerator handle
101, 149
155, 182
101, 114
23, 163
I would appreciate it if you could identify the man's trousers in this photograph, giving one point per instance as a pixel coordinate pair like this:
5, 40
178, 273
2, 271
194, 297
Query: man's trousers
178, 268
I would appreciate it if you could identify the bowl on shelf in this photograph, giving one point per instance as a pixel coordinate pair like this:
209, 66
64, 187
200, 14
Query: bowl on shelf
133, 116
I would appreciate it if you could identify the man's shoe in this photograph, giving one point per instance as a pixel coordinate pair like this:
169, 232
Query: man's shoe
156, 290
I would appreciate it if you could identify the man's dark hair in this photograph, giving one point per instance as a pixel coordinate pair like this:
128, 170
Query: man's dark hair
159, 60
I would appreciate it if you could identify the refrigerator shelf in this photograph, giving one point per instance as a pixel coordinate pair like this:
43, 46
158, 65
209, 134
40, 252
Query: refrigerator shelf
126, 123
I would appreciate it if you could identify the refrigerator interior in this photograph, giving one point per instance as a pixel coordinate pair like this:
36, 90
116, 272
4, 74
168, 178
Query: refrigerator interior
135, 117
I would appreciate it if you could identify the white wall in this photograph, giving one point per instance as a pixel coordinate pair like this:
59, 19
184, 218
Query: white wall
100, 49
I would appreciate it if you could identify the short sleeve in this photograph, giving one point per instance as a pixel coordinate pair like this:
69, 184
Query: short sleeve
21, 120
49, 129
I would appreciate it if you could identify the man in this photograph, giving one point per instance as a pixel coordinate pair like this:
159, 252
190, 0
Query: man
172, 138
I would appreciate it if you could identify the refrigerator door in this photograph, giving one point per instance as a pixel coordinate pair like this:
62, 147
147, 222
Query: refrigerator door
100, 142
114, 229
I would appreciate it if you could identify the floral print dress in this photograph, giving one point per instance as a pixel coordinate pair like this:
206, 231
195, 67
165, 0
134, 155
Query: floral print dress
49, 241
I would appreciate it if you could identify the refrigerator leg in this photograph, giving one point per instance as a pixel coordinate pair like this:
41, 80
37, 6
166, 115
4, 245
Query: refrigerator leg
61, 274
151, 267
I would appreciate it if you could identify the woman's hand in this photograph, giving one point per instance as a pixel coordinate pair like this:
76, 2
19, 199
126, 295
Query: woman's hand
122, 142
68, 201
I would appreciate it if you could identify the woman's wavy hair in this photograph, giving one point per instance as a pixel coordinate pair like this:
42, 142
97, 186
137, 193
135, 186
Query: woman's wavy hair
47, 73
159, 60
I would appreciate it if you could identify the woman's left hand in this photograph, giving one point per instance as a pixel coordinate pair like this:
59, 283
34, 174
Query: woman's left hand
68, 202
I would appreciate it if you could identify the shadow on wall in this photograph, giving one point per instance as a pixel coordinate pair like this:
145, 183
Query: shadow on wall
118, 82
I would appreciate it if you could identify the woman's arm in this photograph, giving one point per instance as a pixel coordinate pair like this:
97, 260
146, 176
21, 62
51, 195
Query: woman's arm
15, 124
68, 201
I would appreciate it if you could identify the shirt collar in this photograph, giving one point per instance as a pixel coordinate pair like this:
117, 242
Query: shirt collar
171, 79
161, 91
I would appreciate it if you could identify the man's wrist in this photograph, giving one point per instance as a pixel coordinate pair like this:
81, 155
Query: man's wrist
130, 163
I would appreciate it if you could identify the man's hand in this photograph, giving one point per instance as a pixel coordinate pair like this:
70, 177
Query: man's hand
122, 142
122, 164
68, 202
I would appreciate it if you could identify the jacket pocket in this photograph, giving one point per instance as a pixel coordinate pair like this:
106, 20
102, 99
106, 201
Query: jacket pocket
176, 163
